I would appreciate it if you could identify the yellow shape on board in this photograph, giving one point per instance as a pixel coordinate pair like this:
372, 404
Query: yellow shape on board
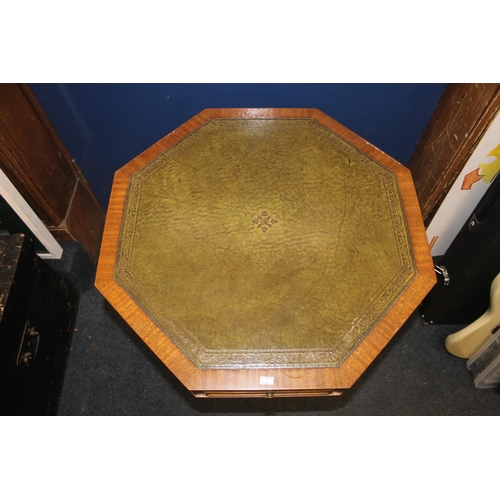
489, 170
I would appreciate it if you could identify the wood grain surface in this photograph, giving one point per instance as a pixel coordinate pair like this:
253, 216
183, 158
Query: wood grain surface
285, 381
34, 158
460, 120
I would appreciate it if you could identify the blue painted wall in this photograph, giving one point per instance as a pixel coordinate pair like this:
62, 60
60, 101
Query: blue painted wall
105, 125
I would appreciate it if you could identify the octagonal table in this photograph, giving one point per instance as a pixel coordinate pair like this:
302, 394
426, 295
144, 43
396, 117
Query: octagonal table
264, 252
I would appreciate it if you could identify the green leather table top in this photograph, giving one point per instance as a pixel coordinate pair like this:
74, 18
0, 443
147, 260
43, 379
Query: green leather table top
264, 243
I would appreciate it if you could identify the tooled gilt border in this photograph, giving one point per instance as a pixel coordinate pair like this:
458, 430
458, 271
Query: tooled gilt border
276, 358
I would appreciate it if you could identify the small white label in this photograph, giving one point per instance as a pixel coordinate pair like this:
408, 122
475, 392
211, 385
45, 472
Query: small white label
266, 380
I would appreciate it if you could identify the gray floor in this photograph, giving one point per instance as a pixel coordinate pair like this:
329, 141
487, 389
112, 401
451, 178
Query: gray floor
111, 372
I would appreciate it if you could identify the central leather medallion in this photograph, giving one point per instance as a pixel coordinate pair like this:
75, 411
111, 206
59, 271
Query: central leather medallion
264, 221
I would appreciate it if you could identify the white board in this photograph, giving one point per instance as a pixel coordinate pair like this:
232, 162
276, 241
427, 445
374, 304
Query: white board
12, 196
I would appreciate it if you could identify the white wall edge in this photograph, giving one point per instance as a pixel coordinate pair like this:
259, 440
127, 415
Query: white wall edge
28, 216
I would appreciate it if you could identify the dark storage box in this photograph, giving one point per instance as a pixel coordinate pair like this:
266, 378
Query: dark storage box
37, 314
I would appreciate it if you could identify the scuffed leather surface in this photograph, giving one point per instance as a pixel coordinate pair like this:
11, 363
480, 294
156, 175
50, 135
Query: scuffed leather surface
264, 243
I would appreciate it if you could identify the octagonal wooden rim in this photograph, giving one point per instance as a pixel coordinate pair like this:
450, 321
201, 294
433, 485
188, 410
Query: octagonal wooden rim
248, 381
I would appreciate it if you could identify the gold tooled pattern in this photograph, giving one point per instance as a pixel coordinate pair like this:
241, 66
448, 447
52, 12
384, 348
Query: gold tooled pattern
264, 221
196, 210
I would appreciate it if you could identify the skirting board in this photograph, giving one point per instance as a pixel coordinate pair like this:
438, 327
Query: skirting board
28, 216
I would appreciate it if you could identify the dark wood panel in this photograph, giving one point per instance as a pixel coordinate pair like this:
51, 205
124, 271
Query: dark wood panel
34, 158
31, 159
461, 118
85, 219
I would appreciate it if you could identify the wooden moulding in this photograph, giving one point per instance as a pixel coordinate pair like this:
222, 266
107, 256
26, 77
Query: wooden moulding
37, 163
460, 120
253, 382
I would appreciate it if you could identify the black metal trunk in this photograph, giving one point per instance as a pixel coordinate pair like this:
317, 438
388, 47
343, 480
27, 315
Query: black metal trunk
37, 315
